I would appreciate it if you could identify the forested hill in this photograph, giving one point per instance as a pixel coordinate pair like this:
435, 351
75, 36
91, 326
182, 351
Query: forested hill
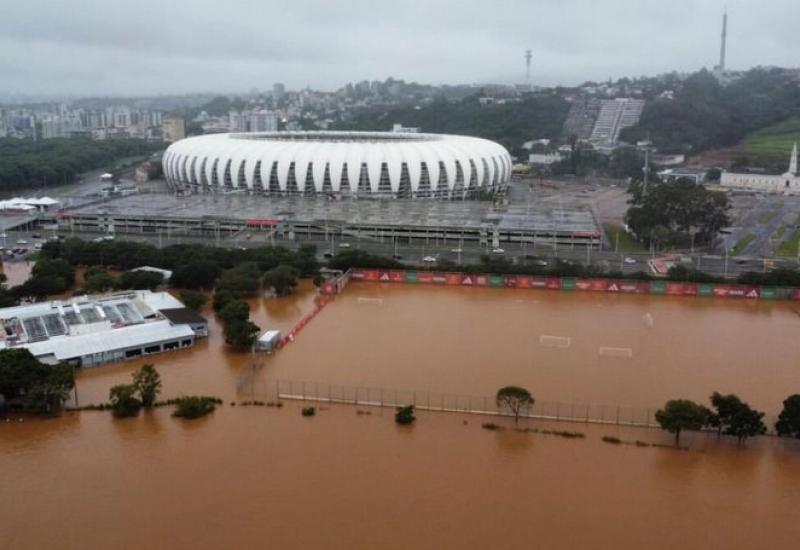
511, 124
706, 115
25, 163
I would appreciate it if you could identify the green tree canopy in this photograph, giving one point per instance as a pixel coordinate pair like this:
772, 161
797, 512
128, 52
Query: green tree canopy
282, 279
148, 384
514, 398
788, 423
682, 414
123, 400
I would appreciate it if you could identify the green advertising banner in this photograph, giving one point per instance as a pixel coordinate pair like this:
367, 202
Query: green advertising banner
705, 289
568, 283
495, 280
412, 277
769, 293
658, 287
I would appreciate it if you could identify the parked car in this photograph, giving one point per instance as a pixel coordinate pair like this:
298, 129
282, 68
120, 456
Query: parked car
22, 241
498, 251
542, 263
429, 259
344, 245
630, 260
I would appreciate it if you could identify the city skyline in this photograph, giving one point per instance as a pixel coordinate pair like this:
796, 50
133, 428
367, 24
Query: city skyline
102, 49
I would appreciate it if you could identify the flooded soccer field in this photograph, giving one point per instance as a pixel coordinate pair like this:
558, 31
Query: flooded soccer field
268, 477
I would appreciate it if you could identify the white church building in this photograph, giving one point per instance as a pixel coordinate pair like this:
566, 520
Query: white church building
788, 183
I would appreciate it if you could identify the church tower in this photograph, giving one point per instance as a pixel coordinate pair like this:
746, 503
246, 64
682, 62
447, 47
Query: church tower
793, 161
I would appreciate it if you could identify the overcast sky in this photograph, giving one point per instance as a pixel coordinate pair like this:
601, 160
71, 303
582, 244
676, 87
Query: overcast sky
98, 47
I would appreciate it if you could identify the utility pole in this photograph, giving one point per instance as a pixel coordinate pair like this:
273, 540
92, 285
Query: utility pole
528, 57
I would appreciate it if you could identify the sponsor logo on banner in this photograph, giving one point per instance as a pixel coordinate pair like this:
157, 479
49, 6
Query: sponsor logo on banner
524, 281
468, 280
425, 277
510, 281
613, 286
481, 280
328, 288
453, 278
722, 290
539, 282
752, 292
583, 284
371, 275
554, 283
691, 289
356, 274
397, 277
438, 278
384, 277
599, 284
674, 289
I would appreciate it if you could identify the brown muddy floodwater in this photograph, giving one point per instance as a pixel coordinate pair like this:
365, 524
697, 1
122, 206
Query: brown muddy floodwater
253, 477
16, 272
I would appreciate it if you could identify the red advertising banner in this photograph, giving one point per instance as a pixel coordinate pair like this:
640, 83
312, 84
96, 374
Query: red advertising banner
481, 280
737, 291
554, 283
583, 284
524, 281
674, 289
796, 294
468, 280
599, 284
690, 289
539, 282
356, 274
371, 275
453, 278
510, 281
328, 287
397, 276
425, 277
629, 287
438, 278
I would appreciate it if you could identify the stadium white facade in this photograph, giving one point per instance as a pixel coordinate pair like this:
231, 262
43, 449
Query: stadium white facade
354, 164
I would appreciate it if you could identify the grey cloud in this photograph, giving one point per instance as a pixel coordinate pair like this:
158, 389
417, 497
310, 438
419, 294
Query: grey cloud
150, 46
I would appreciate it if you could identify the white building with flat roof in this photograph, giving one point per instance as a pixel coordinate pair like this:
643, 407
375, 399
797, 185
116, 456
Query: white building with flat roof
92, 330
786, 183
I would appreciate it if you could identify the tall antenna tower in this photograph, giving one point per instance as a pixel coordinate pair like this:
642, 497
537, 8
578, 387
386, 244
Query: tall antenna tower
528, 57
721, 65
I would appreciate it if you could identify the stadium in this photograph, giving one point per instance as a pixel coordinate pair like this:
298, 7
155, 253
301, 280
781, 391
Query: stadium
344, 164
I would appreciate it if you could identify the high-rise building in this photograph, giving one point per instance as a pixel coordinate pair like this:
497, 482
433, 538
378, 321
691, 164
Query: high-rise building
278, 91
263, 121
173, 128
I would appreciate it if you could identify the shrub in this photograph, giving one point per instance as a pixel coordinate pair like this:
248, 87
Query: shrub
194, 406
492, 426
611, 439
309, 411
405, 415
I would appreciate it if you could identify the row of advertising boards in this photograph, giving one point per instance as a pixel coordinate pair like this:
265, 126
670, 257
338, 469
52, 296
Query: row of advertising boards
622, 286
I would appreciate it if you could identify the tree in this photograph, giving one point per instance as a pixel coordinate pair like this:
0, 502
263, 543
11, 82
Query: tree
735, 417
123, 400
725, 407
788, 423
140, 279
241, 333
196, 274
747, 422
193, 299
670, 213
235, 310
514, 398
405, 414
99, 282
682, 414
27, 383
194, 406
148, 384
282, 279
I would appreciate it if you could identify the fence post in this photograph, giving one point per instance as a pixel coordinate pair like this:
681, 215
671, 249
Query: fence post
617, 415
356, 397
558, 411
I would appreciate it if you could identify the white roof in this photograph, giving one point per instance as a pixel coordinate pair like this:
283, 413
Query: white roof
203, 160
69, 347
154, 300
269, 335
167, 274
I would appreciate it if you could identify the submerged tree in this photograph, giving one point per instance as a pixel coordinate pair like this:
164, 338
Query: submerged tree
148, 384
405, 415
735, 417
682, 414
788, 423
123, 400
515, 399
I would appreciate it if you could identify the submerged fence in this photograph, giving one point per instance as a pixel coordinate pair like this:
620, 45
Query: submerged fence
363, 396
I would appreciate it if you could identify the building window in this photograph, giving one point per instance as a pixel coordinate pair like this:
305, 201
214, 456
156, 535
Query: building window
257, 183
310, 189
186, 343
404, 189
152, 349
363, 180
133, 353
424, 189
274, 185
327, 187
384, 185
291, 180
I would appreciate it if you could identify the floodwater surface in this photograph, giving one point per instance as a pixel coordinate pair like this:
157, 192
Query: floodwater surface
257, 477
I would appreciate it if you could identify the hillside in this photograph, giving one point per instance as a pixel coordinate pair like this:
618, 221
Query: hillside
705, 115
511, 124
774, 142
